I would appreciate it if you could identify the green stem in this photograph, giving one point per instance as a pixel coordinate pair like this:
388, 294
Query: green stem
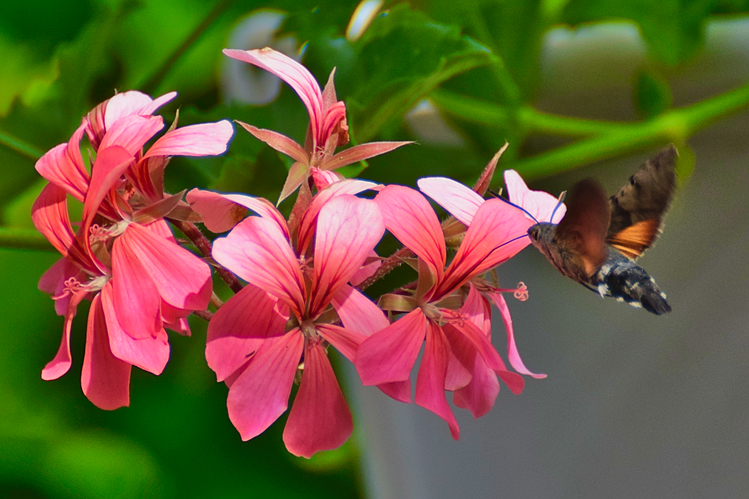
150, 85
554, 124
29, 239
505, 81
20, 146
468, 108
673, 126
531, 120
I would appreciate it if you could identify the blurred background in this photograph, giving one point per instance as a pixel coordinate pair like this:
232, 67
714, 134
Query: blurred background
634, 406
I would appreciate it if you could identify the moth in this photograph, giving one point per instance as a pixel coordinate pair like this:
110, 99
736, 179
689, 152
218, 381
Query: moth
598, 240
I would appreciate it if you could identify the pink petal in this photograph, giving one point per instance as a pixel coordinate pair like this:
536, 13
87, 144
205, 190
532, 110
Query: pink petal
344, 340
161, 229
390, 354
334, 130
323, 178
240, 327
430, 383
132, 132
182, 279
457, 375
512, 349
150, 354
133, 102
496, 234
50, 216
61, 363
110, 165
540, 205
348, 229
293, 73
62, 167
147, 176
397, 390
136, 298
480, 341
175, 319
53, 282
221, 212
309, 220
410, 218
360, 153
157, 103
258, 252
105, 379
320, 418
514, 381
261, 393
476, 309
479, 395
204, 139
357, 312
460, 201
279, 142
367, 270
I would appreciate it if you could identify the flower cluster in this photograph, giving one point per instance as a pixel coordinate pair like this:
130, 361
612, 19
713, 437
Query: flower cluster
303, 276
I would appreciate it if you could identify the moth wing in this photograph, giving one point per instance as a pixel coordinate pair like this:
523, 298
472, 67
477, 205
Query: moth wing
635, 239
585, 224
637, 209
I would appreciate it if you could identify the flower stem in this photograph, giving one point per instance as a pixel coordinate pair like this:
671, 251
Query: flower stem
204, 314
604, 139
388, 265
528, 118
204, 245
30, 239
20, 146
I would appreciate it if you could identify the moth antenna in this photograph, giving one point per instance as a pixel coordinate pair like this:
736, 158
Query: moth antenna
496, 195
561, 200
513, 240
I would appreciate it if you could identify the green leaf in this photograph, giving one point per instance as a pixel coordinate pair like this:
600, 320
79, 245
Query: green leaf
403, 56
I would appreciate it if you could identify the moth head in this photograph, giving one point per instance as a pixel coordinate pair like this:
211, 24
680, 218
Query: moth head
540, 233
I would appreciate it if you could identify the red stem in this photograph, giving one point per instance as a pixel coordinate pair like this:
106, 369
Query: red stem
388, 265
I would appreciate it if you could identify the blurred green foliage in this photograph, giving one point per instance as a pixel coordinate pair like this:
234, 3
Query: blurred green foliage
478, 61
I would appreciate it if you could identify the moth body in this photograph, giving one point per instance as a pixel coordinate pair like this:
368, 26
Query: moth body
599, 238
621, 278
618, 276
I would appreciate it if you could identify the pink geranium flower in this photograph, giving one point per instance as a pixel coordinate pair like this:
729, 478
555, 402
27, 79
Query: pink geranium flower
463, 203
327, 127
123, 256
280, 324
458, 350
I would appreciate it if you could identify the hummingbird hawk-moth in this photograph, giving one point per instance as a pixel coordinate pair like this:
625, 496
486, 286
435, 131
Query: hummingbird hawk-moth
598, 240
